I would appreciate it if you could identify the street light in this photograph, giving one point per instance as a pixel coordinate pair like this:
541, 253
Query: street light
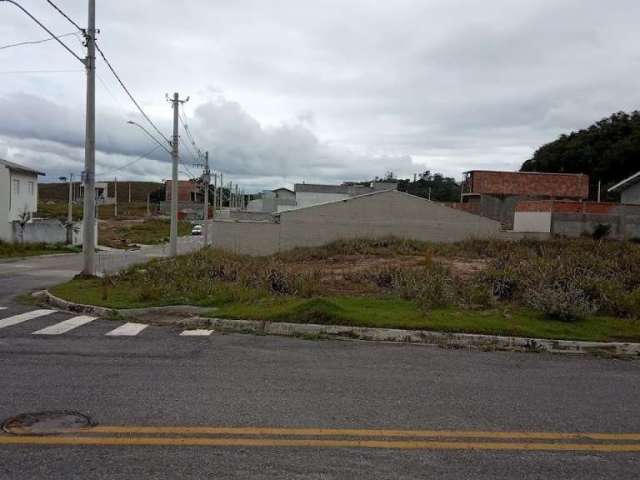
131, 122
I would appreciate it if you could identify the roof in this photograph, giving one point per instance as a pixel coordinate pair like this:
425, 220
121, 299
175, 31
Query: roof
18, 167
282, 188
626, 183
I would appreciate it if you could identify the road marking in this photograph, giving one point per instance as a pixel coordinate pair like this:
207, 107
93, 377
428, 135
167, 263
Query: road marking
66, 325
314, 443
3, 308
196, 333
127, 330
350, 432
23, 317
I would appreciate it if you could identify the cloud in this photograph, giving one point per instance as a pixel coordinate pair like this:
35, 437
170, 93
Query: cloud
239, 145
329, 91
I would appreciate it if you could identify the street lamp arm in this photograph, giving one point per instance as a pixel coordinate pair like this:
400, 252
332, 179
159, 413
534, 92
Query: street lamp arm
81, 60
131, 122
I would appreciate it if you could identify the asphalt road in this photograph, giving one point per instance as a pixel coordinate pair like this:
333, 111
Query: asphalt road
168, 406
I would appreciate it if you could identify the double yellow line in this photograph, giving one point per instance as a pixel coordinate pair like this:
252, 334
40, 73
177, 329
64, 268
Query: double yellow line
334, 438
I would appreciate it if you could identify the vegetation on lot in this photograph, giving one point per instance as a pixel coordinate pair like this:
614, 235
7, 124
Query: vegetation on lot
146, 232
18, 250
59, 210
558, 288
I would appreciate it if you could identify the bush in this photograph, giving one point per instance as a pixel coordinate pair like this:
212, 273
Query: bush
601, 231
560, 302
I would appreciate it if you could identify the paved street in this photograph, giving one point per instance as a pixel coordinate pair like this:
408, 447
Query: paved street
208, 405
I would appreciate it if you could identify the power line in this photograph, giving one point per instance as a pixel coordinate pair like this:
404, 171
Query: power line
35, 42
124, 87
66, 16
122, 167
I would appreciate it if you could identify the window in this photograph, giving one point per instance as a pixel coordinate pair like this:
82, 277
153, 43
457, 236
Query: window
16, 186
30, 188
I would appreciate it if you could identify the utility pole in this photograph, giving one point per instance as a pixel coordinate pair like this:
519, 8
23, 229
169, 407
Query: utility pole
237, 204
88, 216
221, 191
115, 188
148, 206
129, 192
173, 238
215, 193
206, 177
70, 210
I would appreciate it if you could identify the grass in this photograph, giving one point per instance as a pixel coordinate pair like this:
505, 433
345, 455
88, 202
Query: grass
404, 314
149, 232
237, 302
21, 250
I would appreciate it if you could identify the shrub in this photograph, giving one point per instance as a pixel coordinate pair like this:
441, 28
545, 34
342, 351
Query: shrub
560, 302
601, 231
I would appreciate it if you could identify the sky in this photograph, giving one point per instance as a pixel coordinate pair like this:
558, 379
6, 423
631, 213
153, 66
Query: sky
287, 91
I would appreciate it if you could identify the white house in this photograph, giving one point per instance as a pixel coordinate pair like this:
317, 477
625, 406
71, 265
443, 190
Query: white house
629, 189
18, 194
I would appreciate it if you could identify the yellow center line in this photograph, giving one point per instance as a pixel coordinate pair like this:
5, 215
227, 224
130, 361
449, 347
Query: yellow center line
347, 432
300, 443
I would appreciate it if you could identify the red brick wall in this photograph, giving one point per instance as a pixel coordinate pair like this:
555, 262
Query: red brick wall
555, 185
566, 207
185, 188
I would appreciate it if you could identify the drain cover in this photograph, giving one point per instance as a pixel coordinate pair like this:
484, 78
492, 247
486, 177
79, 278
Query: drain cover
46, 423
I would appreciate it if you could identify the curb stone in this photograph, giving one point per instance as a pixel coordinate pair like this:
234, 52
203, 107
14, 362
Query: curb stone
424, 337
173, 314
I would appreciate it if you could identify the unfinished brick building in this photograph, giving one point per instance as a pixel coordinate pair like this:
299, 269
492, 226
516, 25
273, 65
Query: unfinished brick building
495, 194
188, 191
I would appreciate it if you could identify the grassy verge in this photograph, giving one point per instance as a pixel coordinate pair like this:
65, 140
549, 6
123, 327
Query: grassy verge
18, 250
237, 302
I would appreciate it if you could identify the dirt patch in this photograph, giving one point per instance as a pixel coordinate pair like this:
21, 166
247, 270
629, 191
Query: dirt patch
463, 268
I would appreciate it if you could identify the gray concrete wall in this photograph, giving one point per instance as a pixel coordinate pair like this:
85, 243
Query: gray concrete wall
43, 231
625, 223
370, 216
631, 195
6, 230
251, 238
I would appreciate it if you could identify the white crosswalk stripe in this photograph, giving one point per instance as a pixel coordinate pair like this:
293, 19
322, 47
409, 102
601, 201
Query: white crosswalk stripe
3, 308
196, 333
66, 325
23, 317
127, 330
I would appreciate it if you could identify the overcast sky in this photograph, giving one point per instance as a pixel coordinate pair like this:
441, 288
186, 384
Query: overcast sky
323, 91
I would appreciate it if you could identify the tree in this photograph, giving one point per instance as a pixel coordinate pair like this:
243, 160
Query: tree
23, 219
435, 186
608, 151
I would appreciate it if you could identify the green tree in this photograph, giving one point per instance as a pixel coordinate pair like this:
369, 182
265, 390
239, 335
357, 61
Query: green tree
607, 151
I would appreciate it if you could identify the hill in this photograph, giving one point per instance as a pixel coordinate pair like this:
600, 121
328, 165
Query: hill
607, 151
139, 190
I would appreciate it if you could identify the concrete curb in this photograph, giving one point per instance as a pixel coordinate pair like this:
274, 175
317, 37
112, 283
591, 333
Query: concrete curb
424, 337
441, 339
129, 313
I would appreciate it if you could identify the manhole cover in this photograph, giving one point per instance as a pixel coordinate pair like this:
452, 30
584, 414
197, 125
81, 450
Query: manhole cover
46, 423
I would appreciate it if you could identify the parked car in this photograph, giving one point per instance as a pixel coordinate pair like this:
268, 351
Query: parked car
196, 230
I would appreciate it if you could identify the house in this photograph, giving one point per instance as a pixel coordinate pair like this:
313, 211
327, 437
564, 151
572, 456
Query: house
309, 194
18, 195
188, 191
376, 214
629, 190
495, 194
270, 200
